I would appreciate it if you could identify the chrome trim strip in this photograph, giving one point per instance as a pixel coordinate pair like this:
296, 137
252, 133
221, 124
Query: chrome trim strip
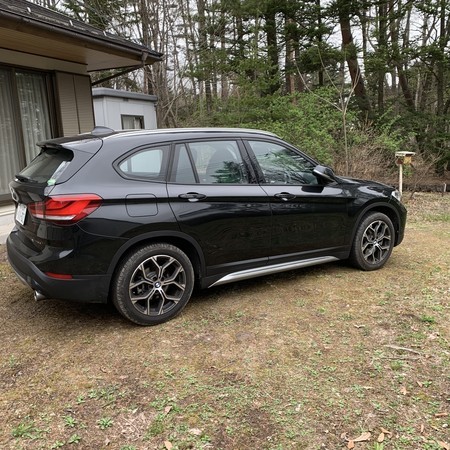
275, 268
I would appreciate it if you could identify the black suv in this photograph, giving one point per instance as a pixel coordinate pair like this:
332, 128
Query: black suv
140, 217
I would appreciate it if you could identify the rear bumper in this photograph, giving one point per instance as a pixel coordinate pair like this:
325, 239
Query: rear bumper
84, 288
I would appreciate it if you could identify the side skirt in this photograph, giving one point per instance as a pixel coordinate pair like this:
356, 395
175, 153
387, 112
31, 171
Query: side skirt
275, 268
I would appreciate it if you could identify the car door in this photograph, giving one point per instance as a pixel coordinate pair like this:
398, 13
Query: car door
310, 218
216, 200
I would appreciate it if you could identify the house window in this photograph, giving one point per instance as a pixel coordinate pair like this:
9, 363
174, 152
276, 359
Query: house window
132, 122
25, 119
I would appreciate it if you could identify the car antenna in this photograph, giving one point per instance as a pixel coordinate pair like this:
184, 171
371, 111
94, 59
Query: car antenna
101, 131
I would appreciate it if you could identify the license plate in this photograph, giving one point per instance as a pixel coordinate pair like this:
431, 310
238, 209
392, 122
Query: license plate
21, 213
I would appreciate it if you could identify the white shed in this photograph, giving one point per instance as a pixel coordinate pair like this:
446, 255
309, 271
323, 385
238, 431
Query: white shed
123, 110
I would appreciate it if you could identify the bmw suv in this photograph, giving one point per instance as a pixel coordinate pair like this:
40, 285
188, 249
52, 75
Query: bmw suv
141, 217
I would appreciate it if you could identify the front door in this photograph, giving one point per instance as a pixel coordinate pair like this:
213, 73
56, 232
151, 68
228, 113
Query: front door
309, 218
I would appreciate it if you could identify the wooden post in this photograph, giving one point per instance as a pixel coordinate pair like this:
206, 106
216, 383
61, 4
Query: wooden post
400, 179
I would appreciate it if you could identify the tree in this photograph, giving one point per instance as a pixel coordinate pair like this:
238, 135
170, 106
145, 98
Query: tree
345, 10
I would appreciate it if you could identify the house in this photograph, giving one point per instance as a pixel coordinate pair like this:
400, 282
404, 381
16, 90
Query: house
123, 110
45, 87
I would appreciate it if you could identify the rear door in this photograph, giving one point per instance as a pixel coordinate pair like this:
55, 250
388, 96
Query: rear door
310, 219
216, 200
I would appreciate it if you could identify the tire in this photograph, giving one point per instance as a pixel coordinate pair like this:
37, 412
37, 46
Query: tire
153, 284
373, 242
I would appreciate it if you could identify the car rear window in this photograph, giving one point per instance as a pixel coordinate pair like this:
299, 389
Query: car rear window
145, 164
47, 167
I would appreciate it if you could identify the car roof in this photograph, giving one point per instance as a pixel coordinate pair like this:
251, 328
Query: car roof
105, 133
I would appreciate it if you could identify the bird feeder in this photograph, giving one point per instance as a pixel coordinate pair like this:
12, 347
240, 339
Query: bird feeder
402, 159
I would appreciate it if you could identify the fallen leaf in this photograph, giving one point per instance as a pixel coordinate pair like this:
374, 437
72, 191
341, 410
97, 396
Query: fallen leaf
364, 437
383, 430
420, 384
444, 445
351, 444
168, 445
195, 431
422, 428
403, 390
380, 437
442, 414
167, 410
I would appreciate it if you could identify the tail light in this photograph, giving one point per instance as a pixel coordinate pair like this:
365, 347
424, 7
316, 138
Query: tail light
65, 209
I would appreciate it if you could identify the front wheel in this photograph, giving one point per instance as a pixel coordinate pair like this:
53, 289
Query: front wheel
373, 242
153, 284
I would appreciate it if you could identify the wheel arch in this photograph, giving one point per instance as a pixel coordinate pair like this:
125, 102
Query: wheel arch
180, 240
384, 208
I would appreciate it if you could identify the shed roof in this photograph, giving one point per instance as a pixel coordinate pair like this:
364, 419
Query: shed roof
32, 29
108, 92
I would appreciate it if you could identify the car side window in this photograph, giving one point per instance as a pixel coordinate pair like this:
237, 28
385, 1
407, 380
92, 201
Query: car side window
183, 171
281, 165
209, 162
149, 163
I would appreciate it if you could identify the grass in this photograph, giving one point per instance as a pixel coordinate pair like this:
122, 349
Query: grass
310, 359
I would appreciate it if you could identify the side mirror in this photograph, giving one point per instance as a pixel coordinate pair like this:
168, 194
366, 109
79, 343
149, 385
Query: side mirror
325, 173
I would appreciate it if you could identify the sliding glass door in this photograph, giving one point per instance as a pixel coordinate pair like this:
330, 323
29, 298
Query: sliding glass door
10, 161
25, 118
34, 111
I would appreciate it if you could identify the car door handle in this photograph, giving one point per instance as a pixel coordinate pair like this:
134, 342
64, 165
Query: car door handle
192, 196
285, 196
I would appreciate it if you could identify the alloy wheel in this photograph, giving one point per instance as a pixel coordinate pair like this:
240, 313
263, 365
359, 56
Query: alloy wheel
157, 285
376, 242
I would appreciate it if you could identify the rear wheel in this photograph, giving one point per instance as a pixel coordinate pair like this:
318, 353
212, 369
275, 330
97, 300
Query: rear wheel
153, 284
373, 242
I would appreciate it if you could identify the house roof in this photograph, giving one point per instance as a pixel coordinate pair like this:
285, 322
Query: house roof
32, 29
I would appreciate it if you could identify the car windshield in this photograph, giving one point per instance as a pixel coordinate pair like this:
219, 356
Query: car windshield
47, 167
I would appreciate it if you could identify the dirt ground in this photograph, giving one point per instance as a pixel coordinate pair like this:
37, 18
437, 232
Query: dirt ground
321, 358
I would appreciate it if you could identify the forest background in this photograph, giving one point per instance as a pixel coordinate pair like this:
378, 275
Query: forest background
350, 82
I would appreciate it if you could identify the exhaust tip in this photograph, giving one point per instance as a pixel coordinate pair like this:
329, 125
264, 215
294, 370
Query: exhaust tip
38, 296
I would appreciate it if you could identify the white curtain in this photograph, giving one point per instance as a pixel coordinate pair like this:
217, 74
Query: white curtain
9, 143
34, 111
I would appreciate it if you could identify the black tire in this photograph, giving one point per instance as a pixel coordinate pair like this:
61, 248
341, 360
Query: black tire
153, 284
373, 242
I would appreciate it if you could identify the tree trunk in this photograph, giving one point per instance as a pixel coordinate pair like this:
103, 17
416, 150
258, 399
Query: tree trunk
189, 39
289, 66
400, 65
272, 48
393, 31
443, 40
320, 39
382, 47
204, 52
352, 59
